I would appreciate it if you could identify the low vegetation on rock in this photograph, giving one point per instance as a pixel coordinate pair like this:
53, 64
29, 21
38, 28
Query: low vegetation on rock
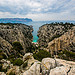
41, 54
67, 55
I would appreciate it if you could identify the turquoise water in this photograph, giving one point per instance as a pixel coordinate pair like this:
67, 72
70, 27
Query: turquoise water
36, 25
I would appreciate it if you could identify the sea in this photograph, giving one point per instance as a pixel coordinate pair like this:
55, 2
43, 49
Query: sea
36, 25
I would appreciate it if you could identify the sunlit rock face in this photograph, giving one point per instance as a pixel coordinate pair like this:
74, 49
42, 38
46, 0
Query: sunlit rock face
15, 32
48, 32
50, 66
56, 36
63, 41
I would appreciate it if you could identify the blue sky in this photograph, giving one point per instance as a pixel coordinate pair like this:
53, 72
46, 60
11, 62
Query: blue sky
38, 10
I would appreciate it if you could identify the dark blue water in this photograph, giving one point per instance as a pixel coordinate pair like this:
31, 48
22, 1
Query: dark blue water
36, 25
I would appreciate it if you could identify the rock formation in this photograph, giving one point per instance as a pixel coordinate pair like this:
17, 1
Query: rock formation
63, 41
50, 66
48, 32
10, 33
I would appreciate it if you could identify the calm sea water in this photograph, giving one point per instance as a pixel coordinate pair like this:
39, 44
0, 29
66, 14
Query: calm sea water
36, 25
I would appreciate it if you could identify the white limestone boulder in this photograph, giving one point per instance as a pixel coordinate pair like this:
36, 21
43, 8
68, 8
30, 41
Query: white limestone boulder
34, 69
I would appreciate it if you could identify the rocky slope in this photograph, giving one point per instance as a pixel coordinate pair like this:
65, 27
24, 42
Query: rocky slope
10, 33
48, 66
48, 32
64, 42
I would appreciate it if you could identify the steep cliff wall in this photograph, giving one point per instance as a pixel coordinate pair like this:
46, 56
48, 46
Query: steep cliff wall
63, 42
48, 32
15, 32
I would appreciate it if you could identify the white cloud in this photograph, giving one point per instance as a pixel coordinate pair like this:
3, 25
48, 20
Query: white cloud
38, 9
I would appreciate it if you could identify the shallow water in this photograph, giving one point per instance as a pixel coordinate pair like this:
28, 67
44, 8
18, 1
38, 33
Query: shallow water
36, 25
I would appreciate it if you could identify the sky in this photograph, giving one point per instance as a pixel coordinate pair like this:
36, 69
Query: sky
38, 10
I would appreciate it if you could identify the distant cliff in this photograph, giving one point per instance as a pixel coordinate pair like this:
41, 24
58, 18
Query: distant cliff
15, 19
10, 33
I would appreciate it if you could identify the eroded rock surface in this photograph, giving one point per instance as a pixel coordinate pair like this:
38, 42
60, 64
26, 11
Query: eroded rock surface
48, 32
50, 66
15, 32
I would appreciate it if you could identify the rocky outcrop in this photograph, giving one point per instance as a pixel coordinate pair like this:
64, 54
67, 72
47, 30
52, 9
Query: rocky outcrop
2, 73
63, 42
59, 71
9, 68
48, 32
15, 32
34, 69
50, 66
28, 57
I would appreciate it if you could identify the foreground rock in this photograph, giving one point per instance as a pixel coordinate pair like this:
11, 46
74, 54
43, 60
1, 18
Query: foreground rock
2, 73
50, 66
28, 57
34, 69
59, 71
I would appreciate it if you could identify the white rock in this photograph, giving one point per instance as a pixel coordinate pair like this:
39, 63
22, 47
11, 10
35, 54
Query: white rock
14, 69
2, 73
5, 65
34, 69
47, 64
27, 56
59, 71
64, 63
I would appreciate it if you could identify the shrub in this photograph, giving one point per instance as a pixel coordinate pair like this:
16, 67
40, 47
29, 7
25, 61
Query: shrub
0, 67
17, 46
56, 36
67, 55
18, 62
11, 73
41, 54
2, 55
0, 51
25, 64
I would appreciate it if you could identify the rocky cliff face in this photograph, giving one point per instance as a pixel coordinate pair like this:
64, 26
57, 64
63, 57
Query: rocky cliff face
63, 42
15, 32
49, 32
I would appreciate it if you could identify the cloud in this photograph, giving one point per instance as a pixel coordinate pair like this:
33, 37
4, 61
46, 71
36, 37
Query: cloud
38, 9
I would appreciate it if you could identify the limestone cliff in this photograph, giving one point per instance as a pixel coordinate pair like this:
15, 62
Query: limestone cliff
15, 32
49, 32
63, 42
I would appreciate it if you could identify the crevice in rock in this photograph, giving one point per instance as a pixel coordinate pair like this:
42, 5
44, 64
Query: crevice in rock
55, 63
69, 70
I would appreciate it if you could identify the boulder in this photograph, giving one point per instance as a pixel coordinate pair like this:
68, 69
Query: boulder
5, 63
34, 69
59, 71
15, 70
27, 56
2, 73
47, 64
61, 62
